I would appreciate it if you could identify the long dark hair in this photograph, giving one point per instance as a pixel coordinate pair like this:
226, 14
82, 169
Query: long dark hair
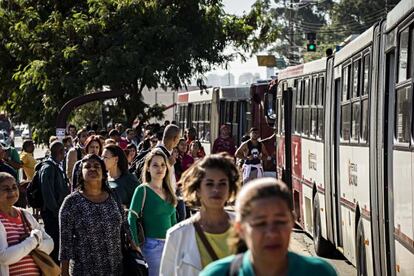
81, 181
122, 159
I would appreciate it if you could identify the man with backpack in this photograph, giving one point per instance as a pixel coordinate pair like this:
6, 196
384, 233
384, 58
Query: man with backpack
54, 188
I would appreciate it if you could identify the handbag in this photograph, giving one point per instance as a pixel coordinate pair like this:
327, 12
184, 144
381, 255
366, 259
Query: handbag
133, 262
45, 263
140, 219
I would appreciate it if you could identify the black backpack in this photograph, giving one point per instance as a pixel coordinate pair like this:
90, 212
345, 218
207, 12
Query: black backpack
33, 191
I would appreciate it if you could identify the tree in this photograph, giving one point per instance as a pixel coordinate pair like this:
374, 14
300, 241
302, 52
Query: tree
53, 51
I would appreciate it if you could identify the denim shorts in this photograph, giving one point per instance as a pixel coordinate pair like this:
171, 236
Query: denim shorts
152, 251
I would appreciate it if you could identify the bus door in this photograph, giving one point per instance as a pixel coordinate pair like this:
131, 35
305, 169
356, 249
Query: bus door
287, 133
329, 156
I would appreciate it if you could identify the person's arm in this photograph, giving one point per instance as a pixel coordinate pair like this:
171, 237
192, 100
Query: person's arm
66, 226
47, 187
64, 267
241, 151
46, 245
136, 204
15, 253
265, 154
71, 159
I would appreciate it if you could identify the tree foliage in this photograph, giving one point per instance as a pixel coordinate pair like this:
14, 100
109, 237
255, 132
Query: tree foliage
332, 21
53, 51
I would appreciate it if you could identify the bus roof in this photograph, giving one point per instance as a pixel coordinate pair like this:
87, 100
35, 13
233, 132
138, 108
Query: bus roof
205, 95
303, 69
399, 12
356, 45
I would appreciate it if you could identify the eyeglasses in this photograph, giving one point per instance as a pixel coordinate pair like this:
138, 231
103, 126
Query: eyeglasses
154, 141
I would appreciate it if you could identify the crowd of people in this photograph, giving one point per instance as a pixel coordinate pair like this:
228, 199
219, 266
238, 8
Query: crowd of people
158, 182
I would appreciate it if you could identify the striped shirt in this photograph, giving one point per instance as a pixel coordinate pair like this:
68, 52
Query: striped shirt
15, 231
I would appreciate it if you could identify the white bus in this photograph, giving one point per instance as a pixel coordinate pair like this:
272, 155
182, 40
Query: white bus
206, 110
345, 145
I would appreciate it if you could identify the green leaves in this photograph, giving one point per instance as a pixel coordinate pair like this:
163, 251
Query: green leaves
54, 51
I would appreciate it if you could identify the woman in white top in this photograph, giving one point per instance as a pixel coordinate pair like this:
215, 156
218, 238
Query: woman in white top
15, 243
209, 184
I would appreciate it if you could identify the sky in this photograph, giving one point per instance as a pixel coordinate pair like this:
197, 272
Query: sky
238, 67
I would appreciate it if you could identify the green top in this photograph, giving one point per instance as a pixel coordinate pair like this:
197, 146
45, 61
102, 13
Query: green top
124, 187
159, 215
298, 265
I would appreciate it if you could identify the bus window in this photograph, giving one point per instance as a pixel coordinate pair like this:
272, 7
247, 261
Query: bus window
403, 115
299, 119
314, 121
355, 77
365, 82
403, 55
364, 121
321, 88
345, 83
345, 122
319, 103
355, 122
306, 94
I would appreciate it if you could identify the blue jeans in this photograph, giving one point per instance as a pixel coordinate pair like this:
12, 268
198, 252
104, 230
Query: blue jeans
152, 251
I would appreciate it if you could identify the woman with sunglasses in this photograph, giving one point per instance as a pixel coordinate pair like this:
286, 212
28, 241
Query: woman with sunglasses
264, 222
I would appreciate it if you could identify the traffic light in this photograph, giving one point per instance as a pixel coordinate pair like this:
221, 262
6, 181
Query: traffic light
311, 45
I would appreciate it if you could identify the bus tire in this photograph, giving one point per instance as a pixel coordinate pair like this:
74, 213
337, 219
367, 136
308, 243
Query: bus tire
322, 247
361, 251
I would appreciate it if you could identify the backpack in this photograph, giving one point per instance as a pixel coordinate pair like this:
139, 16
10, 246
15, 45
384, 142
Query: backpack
33, 192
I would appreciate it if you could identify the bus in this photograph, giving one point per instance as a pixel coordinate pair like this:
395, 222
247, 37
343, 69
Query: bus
239, 106
345, 146
207, 109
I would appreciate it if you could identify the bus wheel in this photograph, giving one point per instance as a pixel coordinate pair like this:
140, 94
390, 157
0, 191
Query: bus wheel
322, 246
361, 252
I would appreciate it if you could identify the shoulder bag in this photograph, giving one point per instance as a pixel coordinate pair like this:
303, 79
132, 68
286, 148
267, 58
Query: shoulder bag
205, 242
45, 263
140, 219
133, 262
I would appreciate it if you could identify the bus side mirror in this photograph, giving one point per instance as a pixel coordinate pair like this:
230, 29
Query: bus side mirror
269, 107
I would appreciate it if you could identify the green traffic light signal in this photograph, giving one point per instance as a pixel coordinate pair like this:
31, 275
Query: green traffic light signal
311, 47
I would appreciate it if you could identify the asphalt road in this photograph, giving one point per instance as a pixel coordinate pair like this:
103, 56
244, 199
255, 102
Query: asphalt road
303, 244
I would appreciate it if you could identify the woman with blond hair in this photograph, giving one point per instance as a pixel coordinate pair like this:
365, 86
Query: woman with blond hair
157, 200
264, 222
201, 239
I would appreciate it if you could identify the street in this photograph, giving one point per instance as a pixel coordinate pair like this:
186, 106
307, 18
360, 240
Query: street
303, 244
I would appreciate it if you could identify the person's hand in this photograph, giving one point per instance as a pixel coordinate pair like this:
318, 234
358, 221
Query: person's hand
36, 233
